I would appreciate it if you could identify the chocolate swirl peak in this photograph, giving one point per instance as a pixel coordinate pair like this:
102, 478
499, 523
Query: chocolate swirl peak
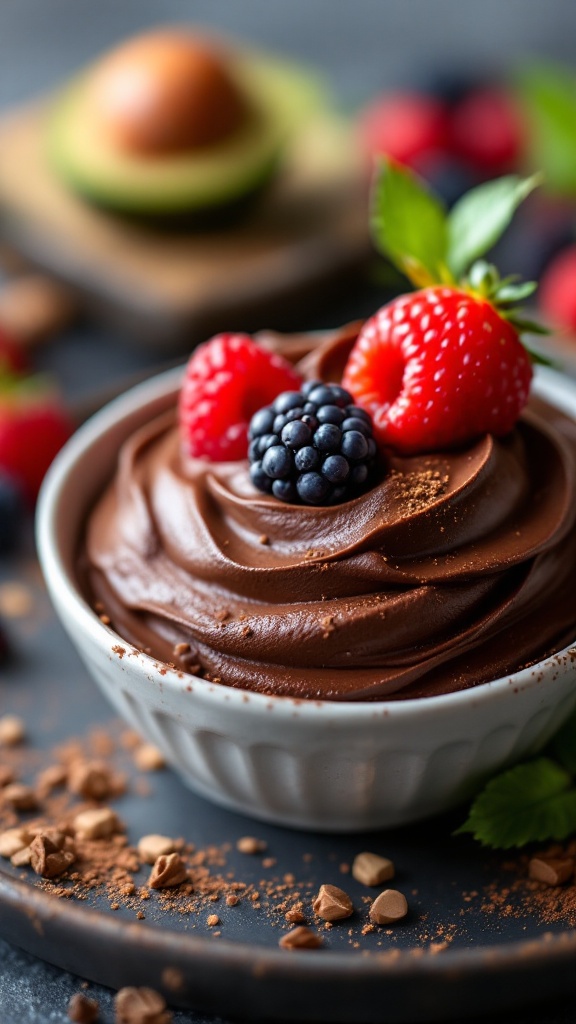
454, 569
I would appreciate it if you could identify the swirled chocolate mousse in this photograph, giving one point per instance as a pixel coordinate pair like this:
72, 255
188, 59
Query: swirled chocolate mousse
447, 569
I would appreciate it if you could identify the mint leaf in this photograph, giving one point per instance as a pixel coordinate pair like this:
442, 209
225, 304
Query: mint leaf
532, 802
548, 95
563, 745
479, 218
409, 224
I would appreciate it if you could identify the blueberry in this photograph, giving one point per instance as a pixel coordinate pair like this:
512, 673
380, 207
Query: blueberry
12, 513
306, 458
296, 434
312, 488
287, 400
259, 478
354, 445
309, 386
331, 414
336, 469
261, 422
285, 490
359, 474
314, 446
355, 423
277, 462
327, 438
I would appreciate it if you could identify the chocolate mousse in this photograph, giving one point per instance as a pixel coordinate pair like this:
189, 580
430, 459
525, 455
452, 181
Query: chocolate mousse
453, 569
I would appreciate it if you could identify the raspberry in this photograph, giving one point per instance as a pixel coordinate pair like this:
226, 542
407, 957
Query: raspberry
312, 446
227, 379
405, 126
438, 368
33, 427
557, 292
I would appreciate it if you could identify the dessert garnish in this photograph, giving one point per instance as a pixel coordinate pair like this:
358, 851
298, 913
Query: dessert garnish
531, 802
227, 380
312, 446
445, 364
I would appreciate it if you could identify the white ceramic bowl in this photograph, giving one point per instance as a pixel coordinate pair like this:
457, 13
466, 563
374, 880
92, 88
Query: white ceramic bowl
316, 765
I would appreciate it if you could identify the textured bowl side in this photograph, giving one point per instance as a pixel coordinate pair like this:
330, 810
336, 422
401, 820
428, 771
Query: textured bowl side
324, 765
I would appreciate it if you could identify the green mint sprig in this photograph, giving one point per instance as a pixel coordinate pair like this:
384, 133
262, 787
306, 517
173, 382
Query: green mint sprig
431, 245
547, 94
533, 802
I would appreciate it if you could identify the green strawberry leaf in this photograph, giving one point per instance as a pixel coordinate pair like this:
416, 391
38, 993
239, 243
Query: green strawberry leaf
409, 224
563, 745
548, 95
532, 802
515, 292
479, 218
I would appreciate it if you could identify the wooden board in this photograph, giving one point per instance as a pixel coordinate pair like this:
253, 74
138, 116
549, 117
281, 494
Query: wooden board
172, 288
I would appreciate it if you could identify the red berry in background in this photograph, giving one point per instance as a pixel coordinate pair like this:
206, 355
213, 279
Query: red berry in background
33, 428
557, 291
13, 358
405, 126
227, 380
486, 131
437, 368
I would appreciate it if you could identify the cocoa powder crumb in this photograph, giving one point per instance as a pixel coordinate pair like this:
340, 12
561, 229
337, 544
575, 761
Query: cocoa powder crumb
212, 920
232, 899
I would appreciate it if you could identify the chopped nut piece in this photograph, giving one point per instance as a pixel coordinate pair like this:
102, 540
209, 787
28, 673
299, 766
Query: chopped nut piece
141, 1006
249, 844
212, 920
22, 858
82, 1010
19, 796
48, 858
99, 823
332, 903
92, 780
169, 870
153, 846
12, 731
294, 916
300, 938
148, 758
173, 978
551, 870
390, 906
371, 869
13, 840
232, 899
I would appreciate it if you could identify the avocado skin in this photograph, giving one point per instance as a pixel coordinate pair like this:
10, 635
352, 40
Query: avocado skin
201, 187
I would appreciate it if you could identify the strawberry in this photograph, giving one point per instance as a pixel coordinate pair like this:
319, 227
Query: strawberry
33, 427
557, 295
442, 365
405, 126
436, 368
227, 380
487, 132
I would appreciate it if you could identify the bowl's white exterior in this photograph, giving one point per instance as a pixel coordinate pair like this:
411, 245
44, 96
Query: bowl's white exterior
316, 765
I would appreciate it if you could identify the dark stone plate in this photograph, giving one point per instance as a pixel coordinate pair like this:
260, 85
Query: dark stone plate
451, 958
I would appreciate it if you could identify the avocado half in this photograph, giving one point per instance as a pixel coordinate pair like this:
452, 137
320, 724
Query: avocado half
281, 96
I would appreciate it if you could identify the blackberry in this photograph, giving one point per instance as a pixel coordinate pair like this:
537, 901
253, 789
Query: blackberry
312, 446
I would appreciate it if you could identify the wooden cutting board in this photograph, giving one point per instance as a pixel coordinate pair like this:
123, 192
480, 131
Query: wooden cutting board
169, 288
